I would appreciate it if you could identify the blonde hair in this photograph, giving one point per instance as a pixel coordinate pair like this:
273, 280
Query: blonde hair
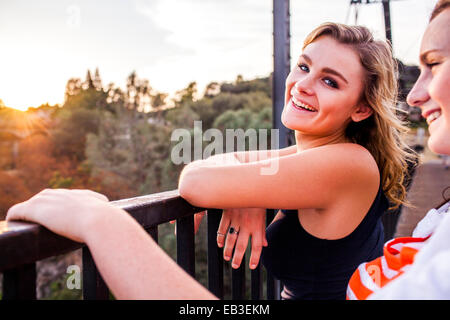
382, 132
439, 8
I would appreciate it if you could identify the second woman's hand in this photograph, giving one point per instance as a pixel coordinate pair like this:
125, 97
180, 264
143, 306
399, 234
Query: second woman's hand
235, 229
69, 213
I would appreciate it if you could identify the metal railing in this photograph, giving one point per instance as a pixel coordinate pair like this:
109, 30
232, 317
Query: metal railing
22, 244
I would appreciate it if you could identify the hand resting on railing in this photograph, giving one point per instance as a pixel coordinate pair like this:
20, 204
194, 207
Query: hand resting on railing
246, 222
129, 260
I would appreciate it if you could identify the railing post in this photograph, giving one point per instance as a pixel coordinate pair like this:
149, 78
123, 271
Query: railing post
153, 232
215, 254
94, 287
273, 285
186, 244
257, 283
20, 283
238, 281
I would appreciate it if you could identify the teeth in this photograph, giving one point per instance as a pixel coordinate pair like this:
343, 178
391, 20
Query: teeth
433, 116
302, 105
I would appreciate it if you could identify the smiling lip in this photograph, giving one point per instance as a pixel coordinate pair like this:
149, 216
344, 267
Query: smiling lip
426, 113
300, 108
299, 104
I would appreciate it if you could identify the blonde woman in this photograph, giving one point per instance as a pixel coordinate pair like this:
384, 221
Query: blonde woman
346, 168
340, 100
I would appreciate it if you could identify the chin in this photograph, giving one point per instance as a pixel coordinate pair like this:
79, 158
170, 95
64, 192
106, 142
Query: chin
285, 121
439, 142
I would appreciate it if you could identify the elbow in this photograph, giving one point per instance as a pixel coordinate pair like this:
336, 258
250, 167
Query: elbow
184, 188
188, 187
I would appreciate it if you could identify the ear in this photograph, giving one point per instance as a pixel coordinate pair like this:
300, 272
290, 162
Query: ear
361, 112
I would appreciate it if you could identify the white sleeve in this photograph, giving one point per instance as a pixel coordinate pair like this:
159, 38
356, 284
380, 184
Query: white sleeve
430, 282
429, 276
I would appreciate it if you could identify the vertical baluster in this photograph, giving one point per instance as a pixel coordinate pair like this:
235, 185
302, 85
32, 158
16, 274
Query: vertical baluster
186, 244
257, 283
20, 283
153, 232
94, 287
215, 254
273, 285
238, 282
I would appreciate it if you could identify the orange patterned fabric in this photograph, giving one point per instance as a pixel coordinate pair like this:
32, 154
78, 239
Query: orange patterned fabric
398, 255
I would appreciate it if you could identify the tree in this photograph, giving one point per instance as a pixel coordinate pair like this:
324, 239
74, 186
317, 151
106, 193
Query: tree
97, 82
73, 87
212, 90
12, 191
88, 83
69, 135
187, 94
139, 94
159, 100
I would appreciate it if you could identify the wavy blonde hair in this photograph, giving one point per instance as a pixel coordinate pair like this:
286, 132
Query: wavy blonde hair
382, 132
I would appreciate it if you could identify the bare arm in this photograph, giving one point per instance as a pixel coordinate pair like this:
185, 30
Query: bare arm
252, 155
315, 178
135, 267
131, 263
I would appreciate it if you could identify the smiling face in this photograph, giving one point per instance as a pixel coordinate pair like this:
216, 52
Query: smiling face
431, 92
323, 90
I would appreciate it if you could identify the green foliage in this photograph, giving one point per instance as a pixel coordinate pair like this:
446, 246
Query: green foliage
102, 139
59, 290
70, 134
59, 182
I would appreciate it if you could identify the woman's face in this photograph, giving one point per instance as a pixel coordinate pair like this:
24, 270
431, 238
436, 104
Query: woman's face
431, 92
323, 90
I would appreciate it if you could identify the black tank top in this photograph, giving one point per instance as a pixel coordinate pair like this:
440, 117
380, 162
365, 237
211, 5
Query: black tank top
313, 268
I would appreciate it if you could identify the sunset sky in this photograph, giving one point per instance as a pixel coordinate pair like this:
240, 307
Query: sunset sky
168, 42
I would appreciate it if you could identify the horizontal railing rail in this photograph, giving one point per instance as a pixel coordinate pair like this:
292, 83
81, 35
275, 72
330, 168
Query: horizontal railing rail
22, 244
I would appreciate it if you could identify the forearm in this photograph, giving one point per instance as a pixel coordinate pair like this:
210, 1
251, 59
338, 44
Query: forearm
134, 266
254, 155
258, 155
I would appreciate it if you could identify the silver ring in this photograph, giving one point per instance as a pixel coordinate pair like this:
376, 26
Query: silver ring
232, 230
220, 234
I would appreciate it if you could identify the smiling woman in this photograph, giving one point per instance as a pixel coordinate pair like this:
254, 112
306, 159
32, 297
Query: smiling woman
347, 168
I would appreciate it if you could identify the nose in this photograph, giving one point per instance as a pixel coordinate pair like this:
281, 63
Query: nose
419, 93
304, 86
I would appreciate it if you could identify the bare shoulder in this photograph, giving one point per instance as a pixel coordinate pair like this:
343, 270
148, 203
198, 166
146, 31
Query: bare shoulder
354, 161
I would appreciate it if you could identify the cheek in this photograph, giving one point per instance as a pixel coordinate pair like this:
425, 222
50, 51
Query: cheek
439, 90
290, 81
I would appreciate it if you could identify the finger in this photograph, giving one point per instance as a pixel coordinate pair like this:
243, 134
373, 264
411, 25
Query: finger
77, 192
222, 230
264, 238
16, 212
198, 217
90, 193
239, 251
256, 252
229, 245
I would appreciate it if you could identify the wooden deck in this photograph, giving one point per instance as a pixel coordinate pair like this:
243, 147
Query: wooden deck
430, 179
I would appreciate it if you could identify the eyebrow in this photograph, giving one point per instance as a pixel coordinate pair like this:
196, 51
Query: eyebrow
325, 70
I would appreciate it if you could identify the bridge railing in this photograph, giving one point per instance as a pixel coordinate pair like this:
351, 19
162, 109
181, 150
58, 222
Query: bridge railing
22, 244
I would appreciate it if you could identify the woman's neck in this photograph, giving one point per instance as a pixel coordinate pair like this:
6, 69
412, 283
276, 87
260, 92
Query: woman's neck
305, 141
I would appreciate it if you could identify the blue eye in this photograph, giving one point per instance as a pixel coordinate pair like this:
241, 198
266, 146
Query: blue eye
303, 67
331, 83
